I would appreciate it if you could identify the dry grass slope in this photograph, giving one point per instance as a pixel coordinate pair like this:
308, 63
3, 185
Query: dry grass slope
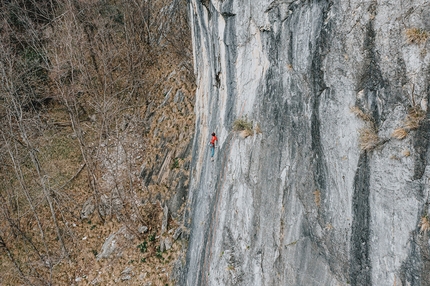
103, 97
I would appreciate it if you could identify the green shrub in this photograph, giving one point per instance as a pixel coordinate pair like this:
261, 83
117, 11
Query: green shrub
244, 127
175, 164
143, 246
158, 253
241, 125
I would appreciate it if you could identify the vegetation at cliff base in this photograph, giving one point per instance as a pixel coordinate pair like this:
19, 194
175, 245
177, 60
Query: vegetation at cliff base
90, 92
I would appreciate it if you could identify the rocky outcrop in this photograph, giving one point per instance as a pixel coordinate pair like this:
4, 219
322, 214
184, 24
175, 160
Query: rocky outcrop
325, 193
114, 243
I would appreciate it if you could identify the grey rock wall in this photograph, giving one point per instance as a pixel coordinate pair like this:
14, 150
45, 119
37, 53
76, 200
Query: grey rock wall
300, 203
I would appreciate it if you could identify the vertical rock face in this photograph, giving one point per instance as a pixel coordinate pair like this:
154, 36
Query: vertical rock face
300, 203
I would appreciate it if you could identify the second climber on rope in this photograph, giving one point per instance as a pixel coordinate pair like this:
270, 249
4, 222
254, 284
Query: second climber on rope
212, 145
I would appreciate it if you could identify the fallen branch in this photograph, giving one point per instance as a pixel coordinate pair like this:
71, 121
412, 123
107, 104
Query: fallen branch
72, 178
62, 124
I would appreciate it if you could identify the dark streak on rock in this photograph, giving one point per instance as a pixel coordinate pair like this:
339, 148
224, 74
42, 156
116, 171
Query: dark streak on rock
319, 164
421, 144
425, 258
231, 56
421, 141
318, 87
360, 266
415, 270
227, 14
207, 4
371, 80
410, 269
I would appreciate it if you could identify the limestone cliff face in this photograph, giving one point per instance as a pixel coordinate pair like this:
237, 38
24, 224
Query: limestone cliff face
301, 203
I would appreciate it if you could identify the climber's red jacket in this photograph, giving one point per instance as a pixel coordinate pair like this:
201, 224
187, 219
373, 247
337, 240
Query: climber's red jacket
214, 138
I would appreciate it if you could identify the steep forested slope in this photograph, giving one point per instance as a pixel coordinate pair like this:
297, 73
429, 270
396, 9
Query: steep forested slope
96, 111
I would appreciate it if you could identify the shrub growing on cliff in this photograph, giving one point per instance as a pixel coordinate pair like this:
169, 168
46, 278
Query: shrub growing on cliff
414, 118
368, 135
368, 138
360, 114
416, 36
424, 224
317, 198
412, 121
243, 126
406, 153
175, 164
399, 133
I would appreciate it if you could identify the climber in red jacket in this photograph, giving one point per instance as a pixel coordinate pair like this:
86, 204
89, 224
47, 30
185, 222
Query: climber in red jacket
213, 145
